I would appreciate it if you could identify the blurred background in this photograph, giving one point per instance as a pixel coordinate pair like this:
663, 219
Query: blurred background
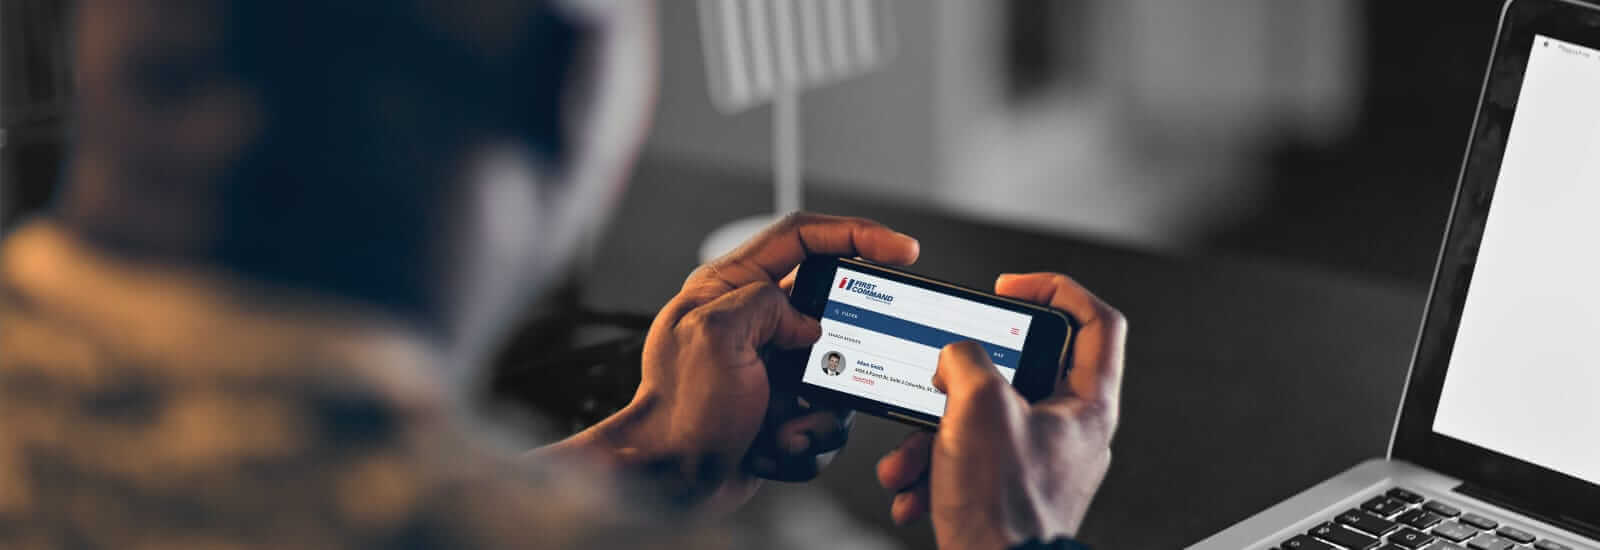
1306, 136
1309, 131
1316, 132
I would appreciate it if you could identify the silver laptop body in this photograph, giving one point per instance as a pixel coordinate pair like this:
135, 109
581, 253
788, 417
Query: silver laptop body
1497, 441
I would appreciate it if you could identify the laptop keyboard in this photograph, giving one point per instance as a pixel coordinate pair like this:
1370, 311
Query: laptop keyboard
1403, 520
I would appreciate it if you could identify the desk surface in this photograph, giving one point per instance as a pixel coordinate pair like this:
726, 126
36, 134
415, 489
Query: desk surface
1246, 382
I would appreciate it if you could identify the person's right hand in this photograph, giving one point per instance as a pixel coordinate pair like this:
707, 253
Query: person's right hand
999, 471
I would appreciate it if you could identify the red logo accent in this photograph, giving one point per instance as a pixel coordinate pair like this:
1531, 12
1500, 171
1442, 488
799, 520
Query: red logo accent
843, 281
1016, 332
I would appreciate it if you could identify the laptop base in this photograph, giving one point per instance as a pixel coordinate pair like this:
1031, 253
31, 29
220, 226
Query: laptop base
1320, 504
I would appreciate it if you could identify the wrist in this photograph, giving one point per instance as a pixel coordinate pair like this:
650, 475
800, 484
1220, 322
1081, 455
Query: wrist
1059, 543
616, 443
977, 538
977, 531
635, 445
1013, 520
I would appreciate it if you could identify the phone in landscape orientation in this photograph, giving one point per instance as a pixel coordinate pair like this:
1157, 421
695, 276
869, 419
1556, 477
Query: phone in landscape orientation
882, 330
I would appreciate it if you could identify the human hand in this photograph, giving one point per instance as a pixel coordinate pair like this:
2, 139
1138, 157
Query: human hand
704, 390
1001, 471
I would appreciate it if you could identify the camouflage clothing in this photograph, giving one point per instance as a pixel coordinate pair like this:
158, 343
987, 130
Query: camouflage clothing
152, 407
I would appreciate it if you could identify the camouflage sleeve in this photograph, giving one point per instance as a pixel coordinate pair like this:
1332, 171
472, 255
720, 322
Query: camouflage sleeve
217, 440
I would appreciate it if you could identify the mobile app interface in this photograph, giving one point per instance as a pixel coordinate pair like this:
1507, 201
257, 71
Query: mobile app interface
881, 339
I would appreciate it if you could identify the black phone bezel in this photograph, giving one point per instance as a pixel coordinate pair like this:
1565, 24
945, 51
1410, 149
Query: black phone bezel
1042, 364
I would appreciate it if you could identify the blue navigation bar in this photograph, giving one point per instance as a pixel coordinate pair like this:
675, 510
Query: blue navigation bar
915, 332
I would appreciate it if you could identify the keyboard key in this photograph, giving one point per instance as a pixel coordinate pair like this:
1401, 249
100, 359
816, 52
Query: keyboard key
1366, 523
1392, 547
1404, 495
1343, 537
1478, 521
1442, 509
1442, 545
1456, 532
1305, 542
1419, 518
1490, 542
1516, 534
1383, 506
1410, 538
1550, 545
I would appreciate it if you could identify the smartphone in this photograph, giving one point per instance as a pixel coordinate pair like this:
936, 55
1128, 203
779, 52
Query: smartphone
882, 330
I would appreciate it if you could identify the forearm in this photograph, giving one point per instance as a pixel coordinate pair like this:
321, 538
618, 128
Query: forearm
604, 446
631, 448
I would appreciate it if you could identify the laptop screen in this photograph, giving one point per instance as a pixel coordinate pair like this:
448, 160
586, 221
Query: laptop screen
1524, 373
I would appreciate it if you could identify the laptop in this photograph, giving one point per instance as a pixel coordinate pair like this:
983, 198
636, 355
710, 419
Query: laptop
1497, 442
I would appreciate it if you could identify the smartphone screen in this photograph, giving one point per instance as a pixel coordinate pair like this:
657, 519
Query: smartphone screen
881, 339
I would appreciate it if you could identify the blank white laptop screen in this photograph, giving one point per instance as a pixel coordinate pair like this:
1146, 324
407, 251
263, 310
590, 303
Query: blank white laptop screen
1524, 375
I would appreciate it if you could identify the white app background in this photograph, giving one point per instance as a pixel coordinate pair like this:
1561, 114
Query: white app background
895, 370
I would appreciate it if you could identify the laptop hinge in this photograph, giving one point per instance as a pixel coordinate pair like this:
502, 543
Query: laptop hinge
1569, 523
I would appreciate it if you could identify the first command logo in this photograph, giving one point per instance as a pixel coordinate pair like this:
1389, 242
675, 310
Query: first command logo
866, 289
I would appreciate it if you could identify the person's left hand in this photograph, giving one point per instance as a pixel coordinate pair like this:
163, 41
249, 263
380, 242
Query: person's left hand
704, 391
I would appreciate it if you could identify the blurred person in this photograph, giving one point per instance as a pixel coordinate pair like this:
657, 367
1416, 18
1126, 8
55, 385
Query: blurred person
291, 229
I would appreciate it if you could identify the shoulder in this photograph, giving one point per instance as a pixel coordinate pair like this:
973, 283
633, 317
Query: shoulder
154, 408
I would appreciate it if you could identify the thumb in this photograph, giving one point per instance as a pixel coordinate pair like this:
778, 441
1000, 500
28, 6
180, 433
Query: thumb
977, 395
964, 367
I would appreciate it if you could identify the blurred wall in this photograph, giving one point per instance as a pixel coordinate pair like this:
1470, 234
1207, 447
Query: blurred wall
1154, 139
1099, 145
1135, 121
874, 132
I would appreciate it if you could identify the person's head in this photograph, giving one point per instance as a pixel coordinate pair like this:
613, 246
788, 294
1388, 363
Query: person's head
833, 361
435, 158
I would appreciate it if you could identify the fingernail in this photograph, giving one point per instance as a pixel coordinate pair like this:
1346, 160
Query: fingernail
916, 246
1004, 276
897, 503
797, 443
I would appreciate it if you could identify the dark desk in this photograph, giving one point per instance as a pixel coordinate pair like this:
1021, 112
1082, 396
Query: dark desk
1246, 382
